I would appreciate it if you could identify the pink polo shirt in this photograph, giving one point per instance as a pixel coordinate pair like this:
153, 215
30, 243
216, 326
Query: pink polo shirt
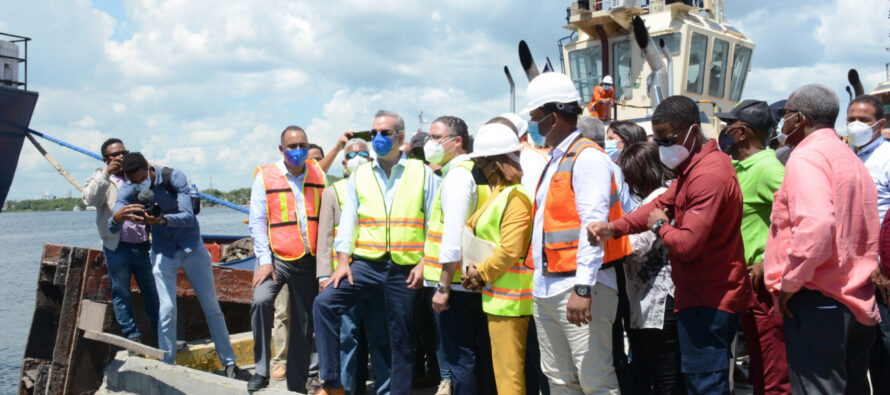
824, 232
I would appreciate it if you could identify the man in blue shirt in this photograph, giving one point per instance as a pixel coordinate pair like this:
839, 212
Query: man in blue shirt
176, 244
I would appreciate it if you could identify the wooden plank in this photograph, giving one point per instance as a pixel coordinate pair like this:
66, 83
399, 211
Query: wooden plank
123, 342
74, 260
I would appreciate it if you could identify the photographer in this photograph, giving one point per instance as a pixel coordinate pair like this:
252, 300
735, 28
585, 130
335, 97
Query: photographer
176, 243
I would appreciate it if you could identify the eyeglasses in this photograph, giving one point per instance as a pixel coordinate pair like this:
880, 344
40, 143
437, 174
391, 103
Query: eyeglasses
438, 137
298, 146
384, 132
669, 141
783, 111
363, 154
116, 154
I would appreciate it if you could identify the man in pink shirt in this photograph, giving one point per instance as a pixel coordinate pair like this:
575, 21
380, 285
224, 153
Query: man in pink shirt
822, 249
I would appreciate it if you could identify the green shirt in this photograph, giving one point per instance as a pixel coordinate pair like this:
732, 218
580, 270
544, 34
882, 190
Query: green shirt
760, 176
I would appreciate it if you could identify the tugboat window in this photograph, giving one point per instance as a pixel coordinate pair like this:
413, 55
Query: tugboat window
671, 42
717, 81
740, 61
621, 73
695, 77
586, 68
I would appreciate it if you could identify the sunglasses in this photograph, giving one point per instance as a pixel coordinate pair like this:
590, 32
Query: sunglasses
384, 132
668, 141
116, 154
353, 154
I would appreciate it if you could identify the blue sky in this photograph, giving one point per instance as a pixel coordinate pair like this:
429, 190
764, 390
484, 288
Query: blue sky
207, 86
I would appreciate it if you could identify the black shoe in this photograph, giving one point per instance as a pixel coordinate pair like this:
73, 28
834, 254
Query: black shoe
256, 382
234, 372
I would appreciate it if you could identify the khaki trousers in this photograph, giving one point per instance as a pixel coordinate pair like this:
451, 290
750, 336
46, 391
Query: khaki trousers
578, 360
508, 335
281, 327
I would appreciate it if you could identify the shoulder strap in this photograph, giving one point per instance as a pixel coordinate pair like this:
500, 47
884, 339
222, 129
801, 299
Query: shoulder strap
167, 180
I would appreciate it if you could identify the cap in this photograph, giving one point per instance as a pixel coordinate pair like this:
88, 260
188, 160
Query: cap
775, 107
419, 139
753, 112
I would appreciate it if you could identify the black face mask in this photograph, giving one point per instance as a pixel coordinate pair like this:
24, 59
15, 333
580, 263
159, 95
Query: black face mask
726, 142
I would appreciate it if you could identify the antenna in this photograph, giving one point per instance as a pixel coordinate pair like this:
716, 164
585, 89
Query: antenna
420, 122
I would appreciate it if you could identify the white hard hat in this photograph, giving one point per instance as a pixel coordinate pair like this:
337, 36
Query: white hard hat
607, 79
517, 121
494, 139
550, 87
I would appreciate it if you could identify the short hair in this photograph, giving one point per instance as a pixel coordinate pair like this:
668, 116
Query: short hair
289, 128
628, 131
873, 101
643, 170
400, 123
816, 102
503, 121
565, 111
456, 128
113, 140
592, 128
134, 162
677, 111
355, 140
316, 146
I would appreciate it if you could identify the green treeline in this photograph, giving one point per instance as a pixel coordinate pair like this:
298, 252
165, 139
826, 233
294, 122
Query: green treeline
238, 196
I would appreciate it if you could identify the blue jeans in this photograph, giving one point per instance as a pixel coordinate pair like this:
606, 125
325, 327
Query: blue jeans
370, 316
131, 260
333, 303
199, 269
706, 336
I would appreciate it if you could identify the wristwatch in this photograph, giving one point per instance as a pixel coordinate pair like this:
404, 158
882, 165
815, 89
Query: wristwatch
582, 290
443, 288
163, 220
657, 226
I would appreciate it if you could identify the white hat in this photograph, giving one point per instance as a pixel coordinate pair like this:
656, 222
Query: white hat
550, 87
495, 139
607, 79
517, 121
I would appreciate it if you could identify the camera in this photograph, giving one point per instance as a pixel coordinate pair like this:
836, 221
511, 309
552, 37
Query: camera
152, 210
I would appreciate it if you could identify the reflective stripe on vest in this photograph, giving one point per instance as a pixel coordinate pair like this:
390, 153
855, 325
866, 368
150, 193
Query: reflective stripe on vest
562, 225
399, 231
511, 294
339, 190
285, 235
432, 269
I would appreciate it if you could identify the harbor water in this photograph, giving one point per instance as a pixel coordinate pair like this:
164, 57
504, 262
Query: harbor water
22, 236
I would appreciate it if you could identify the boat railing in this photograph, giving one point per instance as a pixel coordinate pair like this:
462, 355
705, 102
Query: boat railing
8, 77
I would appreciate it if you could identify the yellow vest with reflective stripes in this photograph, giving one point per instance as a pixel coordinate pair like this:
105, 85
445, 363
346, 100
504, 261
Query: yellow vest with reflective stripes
511, 294
339, 190
432, 269
399, 231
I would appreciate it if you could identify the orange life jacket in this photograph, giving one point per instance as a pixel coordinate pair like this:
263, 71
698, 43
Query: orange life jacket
285, 235
562, 225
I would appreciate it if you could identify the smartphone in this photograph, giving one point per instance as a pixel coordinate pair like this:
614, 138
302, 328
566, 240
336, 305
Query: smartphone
363, 134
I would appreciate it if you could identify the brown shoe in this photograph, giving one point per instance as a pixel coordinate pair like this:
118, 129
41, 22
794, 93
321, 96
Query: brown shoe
331, 391
279, 371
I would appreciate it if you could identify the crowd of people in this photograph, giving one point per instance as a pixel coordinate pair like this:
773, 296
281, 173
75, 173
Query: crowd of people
556, 254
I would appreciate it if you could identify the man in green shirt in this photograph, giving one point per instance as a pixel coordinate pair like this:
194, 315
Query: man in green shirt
748, 126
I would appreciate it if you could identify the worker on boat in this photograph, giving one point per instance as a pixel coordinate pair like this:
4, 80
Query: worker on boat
176, 244
126, 252
367, 316
284, 225
601, 102
382, 227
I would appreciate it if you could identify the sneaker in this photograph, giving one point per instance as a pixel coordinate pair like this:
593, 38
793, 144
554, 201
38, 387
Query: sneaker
257, 383
313, 385
444, 388
234, 372
279, 371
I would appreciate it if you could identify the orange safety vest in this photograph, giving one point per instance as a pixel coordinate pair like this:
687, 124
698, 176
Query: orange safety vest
285, 235
562, 225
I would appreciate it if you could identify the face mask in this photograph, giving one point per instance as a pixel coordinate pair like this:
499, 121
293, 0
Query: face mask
382, 144
859, 133
607, 87
535, 133
296, 157
781, 136
726, 142
145, 184
675, 154
612, 150
354, 163
434, 152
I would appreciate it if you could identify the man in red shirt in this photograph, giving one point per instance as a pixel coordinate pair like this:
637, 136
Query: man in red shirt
698, 218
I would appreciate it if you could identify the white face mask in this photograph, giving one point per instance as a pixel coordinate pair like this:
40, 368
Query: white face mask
145, 184
675, 154
434, 152
782, 136
355, 162
859, 133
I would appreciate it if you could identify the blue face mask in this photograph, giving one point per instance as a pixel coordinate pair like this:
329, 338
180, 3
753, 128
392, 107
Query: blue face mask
607, 87
612, 150
382, 144
296, 157
535, 133
145, 184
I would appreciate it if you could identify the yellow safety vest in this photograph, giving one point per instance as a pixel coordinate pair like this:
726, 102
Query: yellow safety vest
511, 294
400, 232
339, 190
432, 269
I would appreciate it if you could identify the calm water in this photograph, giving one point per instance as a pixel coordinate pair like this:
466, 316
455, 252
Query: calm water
22, 236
